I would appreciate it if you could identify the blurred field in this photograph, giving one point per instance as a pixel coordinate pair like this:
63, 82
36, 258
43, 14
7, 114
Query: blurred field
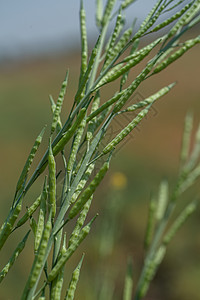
150, 154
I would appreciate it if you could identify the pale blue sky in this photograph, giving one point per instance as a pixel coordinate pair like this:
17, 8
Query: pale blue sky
29, 25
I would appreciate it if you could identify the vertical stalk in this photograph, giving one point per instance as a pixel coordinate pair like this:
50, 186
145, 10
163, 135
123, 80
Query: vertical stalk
96, 63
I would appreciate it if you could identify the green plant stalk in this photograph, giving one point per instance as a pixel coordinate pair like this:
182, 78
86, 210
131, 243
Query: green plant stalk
159, 233
152, 250
96, 63
152, 263
65, 206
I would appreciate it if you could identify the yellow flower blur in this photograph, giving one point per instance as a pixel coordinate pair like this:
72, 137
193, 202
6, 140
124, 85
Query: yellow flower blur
118, 180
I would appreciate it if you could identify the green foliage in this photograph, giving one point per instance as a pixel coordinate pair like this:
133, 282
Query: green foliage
79, 142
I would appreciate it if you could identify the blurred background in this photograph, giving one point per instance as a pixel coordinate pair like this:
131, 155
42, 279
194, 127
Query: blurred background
39, 41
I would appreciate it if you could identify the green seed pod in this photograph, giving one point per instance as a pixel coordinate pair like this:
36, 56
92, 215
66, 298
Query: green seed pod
129, 91
13, 258
153, 19
75, 146
99, 13
80, 221
15, 213
29, 212
53, 106
143, 50
172, 18
66, 137
84, 47
33, 225
70, 250
150, 99
57, 110
29, 161
162, 200
149, 20
38, 261
160, 255
175, 5
118, 71
190, 208
113, 52
152, 266
110, 75
41, 217
151, 13
116, 32
57, 284
187, 45
126, 3
146, 281
191, 12
124, 132
89, 191
150, 270
40, 253
52, 181
7, 227
82, 183
107, 12
96, 102
73, 283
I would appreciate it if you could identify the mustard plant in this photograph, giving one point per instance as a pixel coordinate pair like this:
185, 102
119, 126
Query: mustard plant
79, 142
